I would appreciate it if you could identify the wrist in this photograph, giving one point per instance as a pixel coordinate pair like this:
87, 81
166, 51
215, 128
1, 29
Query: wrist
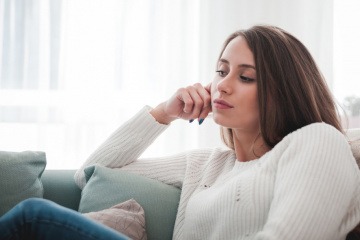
160, 115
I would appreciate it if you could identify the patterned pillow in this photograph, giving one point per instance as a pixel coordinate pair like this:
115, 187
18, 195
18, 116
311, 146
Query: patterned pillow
127, 218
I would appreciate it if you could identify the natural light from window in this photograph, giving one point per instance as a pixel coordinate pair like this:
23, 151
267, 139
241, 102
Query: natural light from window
73, 71
346, 64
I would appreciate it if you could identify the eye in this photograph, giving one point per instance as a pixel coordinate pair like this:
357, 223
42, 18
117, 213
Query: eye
221, 73
246, 79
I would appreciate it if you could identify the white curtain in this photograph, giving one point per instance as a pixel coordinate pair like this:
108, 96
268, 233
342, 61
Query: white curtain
346, 59
74, 70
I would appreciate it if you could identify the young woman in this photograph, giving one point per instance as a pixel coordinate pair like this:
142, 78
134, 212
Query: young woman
288, 172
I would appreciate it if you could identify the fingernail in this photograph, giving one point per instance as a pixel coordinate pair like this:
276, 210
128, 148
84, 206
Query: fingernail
201, 121
191, 120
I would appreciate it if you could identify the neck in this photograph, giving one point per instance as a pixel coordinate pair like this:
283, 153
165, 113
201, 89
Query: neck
249, 146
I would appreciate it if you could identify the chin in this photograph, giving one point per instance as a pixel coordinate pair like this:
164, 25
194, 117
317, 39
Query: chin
220, 120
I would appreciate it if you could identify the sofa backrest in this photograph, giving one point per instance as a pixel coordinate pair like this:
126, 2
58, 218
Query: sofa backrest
60, 187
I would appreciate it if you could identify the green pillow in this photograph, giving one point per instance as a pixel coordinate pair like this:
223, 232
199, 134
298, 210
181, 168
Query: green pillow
20, 174
106, 187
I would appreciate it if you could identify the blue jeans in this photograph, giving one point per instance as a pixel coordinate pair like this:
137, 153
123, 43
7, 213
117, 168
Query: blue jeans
42, 219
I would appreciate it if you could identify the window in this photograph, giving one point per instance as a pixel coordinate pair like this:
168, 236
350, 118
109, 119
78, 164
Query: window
72, 71
346, 59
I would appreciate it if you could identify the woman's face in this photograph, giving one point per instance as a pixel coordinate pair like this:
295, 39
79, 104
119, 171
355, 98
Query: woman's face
234, 89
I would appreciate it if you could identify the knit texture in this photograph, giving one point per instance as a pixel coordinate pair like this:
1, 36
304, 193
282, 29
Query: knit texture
306, 187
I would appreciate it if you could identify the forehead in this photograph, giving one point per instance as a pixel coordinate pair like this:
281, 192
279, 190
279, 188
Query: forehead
238, 52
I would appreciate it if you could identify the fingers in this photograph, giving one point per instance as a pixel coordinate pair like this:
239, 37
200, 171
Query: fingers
192, 102
208, 88
204, 113
187, 100
205, 92
197, 102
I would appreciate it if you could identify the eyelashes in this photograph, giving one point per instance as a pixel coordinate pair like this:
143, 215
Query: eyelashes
222, 73
246, 79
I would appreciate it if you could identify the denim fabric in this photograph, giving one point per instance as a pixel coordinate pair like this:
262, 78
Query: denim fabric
42, 219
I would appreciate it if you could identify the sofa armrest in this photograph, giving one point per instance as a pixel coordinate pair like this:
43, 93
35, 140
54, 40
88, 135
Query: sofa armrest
60, 187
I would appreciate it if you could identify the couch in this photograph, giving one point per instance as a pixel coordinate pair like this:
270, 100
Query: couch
159, 200
59, 187
144, 207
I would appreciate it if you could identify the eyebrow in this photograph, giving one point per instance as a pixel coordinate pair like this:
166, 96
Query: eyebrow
241, 65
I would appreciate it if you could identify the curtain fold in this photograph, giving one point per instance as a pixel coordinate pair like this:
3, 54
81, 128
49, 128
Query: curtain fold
72, 71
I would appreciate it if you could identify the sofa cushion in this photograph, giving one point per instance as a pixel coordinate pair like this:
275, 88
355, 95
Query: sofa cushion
20, 174
127, 218
106, 187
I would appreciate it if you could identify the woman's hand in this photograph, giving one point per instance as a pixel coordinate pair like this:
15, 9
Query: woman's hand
187, 103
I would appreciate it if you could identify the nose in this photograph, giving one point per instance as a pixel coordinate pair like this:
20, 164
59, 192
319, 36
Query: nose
224, 85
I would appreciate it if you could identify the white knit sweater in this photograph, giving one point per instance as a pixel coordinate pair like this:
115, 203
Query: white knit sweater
306, 187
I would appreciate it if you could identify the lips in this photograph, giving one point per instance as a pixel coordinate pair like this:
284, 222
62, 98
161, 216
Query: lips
221, 104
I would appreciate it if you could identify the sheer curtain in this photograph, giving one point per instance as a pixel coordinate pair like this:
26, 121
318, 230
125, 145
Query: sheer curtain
73, 71
346, 59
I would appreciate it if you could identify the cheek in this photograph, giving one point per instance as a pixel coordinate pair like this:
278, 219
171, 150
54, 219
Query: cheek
251, 100
255, 105
254, 99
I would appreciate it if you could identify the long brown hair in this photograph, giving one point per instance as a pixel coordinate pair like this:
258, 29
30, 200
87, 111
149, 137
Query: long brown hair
292, 92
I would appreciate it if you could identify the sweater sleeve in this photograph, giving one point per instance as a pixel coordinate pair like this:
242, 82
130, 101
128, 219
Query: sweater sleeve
315, 186
125, 145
